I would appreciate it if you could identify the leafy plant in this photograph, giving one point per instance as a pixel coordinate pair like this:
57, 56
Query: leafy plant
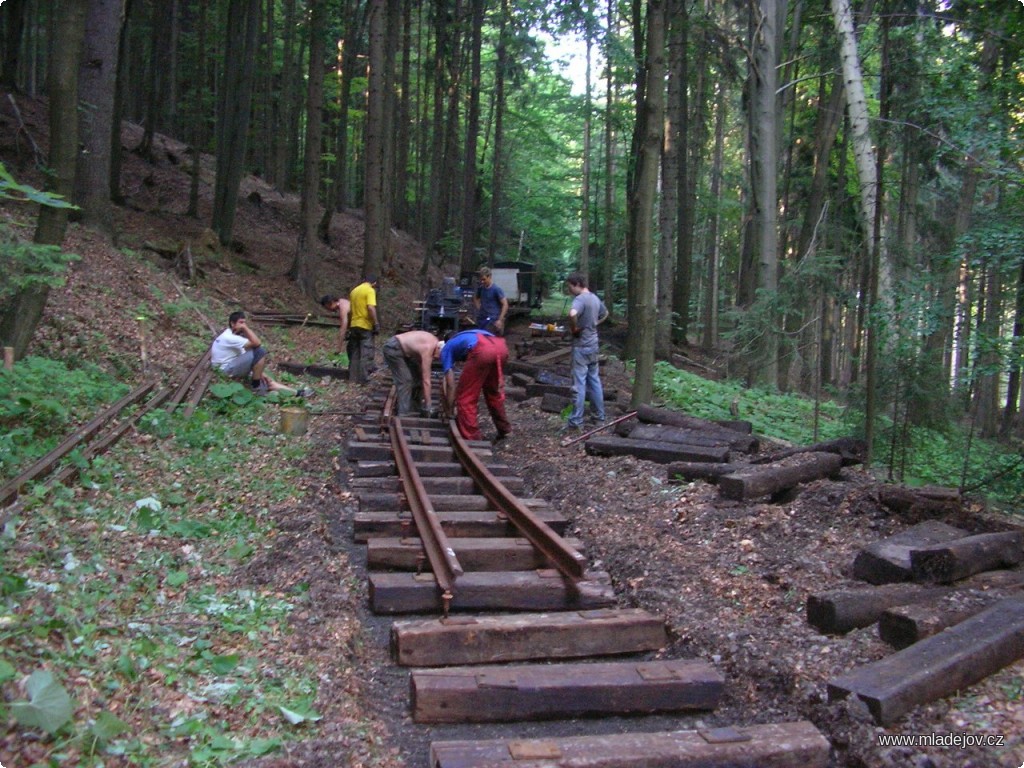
48, 707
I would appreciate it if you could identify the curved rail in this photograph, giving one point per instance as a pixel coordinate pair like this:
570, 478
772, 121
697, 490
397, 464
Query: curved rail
567, 560
443, 561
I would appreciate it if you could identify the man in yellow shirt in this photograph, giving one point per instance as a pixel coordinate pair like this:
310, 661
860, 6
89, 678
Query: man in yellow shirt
363, 328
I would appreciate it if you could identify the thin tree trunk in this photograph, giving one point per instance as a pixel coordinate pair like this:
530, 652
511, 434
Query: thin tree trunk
97, 82
23, 312
765, 163
642, 309
498, 163
710, 336
588, 107
234, 101
469, 185
373, 204
669, 211
609, 161
304, 265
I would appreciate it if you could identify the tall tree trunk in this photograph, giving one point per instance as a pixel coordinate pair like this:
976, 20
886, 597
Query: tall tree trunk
609, 170
588, 108
403, 126
234, 102
199, 113
373, 203
1013, 383
669, 210
498, 163
307, 259
469, 184
22, 313
14, 26
987, 362
159, 96
641, 311
97, 82
287, 79
764, 154
710, 335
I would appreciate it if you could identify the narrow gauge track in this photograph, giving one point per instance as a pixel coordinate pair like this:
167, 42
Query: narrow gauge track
524, 648
96, 436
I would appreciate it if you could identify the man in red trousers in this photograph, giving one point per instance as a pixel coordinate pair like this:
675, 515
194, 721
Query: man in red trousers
484, 356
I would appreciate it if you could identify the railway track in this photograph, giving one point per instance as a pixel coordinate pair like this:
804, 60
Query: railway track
516, 649
96, 436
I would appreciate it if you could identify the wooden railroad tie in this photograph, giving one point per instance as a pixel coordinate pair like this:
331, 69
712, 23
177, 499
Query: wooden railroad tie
530, 691
938, 665
475, 554
770, 745
539, 590
461, 640
487, 523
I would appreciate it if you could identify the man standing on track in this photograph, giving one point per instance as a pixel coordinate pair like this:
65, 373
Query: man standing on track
410, 356
362, 330
485, 356
490, 303
587, 312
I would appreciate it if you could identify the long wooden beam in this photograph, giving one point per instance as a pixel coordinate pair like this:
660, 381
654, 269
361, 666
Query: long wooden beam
770, 745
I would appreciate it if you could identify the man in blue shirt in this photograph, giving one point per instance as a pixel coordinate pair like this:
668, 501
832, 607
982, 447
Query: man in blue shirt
484, 356
490, 303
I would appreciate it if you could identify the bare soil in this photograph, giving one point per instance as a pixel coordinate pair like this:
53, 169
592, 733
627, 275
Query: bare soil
730, 578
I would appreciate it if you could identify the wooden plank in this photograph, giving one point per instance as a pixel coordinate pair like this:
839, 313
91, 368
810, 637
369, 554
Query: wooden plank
394, 593
851, 449
938, 665
482, 523
371, 469
490, 639
440, 502
364, 451
435, 485
662, 453
955, 560
769, 479
842, 610
526, 692
708, 471
475, 554
669, 434
888, 560
652, 415
770, 745
904, 625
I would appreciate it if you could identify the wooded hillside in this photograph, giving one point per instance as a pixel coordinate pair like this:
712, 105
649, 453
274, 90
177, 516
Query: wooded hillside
830, 199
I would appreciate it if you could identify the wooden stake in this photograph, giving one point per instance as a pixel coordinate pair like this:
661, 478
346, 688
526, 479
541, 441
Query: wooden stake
9, 358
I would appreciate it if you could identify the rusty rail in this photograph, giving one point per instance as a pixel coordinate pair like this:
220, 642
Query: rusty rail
440, 554
46, 463
188, 381
567, 560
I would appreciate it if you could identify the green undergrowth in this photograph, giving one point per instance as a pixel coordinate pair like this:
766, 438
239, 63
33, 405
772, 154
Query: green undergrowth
41, 401
919, 456
128, 635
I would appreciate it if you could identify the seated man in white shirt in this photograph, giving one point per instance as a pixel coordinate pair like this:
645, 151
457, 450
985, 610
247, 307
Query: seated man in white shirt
239, 353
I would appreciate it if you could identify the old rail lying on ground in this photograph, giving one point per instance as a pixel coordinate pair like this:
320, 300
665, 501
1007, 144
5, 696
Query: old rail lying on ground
102, 431
522, 627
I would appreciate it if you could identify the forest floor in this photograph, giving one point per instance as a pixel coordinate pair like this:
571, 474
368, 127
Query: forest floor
731, 578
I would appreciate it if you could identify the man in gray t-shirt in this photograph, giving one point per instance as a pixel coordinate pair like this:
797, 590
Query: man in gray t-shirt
587, 312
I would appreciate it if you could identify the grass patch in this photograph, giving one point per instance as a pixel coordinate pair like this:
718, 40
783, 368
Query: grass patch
925, 456
125, 635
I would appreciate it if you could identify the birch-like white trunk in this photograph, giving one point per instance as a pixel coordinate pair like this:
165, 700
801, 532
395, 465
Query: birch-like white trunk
857, 109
